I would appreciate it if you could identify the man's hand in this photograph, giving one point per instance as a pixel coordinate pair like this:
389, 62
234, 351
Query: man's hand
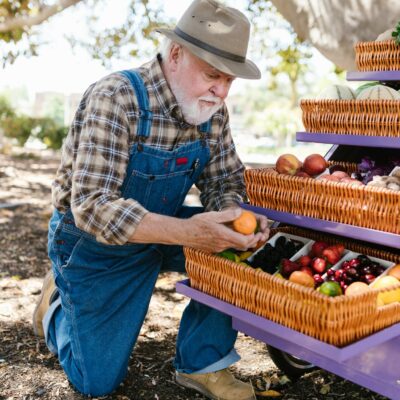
207, 231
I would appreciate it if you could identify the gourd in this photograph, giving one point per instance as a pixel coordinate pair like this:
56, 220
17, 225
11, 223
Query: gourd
337, 92
379, 92
387, 35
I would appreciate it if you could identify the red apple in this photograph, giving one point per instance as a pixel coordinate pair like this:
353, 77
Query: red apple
288, 164
302, 174
314, 164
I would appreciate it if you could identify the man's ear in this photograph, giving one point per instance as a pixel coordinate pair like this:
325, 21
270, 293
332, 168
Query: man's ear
175, 56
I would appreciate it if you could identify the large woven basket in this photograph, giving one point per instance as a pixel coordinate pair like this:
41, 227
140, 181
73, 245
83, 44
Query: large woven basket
364, 206
356, 117
377, 56
338, 321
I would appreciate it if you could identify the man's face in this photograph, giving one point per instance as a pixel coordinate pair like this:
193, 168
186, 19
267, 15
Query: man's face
199, 88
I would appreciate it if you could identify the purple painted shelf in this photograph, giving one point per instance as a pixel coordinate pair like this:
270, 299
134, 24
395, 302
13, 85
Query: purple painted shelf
352, 140
336, 228
373, 76
371, 362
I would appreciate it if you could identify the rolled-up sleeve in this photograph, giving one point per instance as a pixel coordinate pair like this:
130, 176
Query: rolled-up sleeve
100, 168
222, 183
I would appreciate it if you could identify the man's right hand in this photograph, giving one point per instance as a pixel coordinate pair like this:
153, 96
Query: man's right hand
207, 231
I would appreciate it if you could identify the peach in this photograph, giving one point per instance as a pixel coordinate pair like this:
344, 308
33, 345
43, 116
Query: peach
340, 174
288, 164
327, 177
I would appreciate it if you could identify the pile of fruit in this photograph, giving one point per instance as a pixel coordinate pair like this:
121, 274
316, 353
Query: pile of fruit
369, 172
289, 164
314, 166
314, 264
358, 269
318, 268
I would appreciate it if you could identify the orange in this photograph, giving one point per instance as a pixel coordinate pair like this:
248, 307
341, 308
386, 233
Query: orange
356, 288
395, 271
246, 223
302, 278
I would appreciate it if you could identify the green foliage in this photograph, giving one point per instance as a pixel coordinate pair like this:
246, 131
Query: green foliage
18, 127
51, 133
19, 40
396, 33
22, 127
6, 109
132, 38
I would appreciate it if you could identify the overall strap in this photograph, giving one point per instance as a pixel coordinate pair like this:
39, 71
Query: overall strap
145, 115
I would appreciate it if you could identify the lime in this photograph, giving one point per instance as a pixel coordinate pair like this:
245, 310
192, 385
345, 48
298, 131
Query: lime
230, 255
331, 288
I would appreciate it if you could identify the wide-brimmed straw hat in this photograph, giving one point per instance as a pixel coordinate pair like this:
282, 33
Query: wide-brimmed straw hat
217, 34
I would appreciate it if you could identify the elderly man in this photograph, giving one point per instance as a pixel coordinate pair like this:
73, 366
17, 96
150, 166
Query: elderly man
140, 139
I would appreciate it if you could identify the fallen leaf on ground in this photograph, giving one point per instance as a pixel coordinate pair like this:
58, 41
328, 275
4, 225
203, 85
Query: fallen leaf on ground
269, 393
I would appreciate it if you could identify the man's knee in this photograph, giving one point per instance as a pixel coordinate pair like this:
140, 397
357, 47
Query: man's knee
97, 382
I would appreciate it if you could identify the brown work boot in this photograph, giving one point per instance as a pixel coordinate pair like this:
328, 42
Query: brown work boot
219, 385
43, 304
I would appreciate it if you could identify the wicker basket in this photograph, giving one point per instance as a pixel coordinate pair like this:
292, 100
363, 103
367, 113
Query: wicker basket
377, 56
356, 117
338, 321
364, 206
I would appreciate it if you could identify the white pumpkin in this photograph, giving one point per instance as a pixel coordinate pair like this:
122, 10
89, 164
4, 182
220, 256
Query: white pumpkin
337, 92
379, 92
387, 35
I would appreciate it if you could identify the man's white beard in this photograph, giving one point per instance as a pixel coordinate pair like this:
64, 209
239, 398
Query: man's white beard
193, 112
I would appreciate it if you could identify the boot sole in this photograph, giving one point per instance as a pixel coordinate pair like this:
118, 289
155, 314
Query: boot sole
191, 384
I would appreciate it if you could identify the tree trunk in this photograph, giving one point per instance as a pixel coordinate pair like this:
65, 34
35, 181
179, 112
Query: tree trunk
44, 13
334, 26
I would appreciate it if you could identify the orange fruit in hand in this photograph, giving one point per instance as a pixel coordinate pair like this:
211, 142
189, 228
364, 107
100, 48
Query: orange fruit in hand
246, 223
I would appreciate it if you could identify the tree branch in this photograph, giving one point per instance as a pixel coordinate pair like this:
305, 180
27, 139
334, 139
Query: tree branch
44, 14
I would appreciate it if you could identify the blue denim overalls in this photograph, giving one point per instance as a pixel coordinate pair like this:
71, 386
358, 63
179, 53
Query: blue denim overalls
105, 290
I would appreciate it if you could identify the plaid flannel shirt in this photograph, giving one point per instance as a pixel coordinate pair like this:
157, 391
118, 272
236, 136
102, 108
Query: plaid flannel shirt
95, 155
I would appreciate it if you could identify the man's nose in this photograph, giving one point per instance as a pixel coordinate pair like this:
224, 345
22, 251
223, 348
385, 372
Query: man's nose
220, 89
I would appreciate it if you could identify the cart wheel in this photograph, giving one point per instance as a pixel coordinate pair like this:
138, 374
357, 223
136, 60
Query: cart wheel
292, 366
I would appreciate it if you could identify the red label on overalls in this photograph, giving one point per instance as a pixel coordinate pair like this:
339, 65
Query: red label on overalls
181, 161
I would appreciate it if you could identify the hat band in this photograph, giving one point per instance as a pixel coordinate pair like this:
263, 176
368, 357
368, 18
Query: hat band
207, 47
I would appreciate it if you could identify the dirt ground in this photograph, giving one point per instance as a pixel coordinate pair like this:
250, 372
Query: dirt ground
29, 371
